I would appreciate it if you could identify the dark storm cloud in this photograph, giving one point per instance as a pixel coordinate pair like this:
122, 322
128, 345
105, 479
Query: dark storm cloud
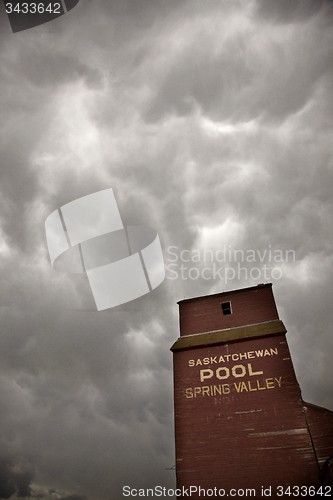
247, 73
85, 389
29, 81
42, 69
289, 11
15, 477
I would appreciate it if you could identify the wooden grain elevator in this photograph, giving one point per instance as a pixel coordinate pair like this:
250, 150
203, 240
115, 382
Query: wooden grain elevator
241, 426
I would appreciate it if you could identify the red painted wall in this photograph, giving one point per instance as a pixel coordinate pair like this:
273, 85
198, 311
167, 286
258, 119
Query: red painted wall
249, 306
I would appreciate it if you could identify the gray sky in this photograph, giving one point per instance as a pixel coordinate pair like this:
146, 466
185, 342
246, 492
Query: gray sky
212, 122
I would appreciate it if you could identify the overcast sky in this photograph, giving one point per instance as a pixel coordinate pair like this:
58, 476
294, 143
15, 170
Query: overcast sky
212, 122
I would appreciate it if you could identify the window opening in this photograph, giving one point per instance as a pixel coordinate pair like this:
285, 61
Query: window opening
226, 308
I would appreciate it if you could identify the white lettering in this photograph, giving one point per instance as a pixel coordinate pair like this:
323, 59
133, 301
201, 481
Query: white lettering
171, 253
182, 256
126, 491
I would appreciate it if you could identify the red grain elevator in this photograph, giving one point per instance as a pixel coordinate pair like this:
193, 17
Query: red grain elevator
241, 426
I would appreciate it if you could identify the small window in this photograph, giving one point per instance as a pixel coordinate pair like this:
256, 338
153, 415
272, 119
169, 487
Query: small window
226, 308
